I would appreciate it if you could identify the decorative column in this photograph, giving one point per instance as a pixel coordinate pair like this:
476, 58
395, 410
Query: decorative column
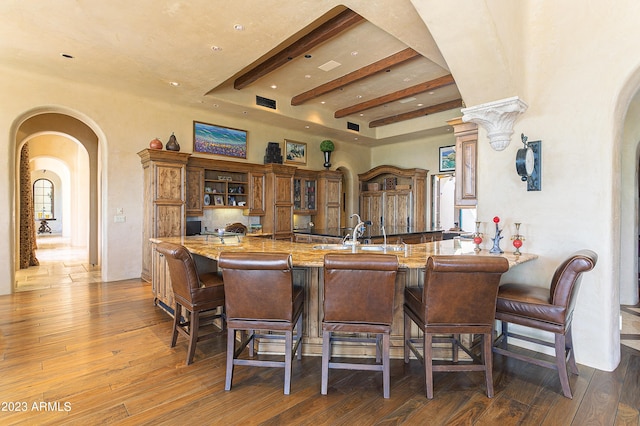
497, 118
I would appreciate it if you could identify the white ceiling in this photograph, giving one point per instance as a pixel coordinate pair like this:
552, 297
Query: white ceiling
141, 46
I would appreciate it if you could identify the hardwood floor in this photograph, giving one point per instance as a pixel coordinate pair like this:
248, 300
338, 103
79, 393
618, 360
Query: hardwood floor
98, 353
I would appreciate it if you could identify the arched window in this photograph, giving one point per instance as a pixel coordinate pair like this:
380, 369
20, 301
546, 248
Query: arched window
43, 199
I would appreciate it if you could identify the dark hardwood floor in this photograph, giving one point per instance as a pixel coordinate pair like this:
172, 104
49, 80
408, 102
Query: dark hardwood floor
98, 353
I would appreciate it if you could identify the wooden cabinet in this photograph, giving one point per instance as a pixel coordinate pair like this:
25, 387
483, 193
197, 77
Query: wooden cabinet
256, 191
329, 200
466, 193
278, 217
195, 189
164, 204
392, 196
304, 192
225, 188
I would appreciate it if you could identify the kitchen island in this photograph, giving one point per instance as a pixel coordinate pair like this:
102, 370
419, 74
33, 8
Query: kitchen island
372, 234
308, 262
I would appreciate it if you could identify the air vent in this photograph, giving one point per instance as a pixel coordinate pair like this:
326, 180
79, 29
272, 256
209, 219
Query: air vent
265, 102
353, 126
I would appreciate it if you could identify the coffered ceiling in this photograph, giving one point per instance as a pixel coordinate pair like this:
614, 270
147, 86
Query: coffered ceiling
371, 76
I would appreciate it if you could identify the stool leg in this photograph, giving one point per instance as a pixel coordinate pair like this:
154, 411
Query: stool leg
407, 337
488, 362
569, 344
326, 354
299, 336
428, 364
378, 343
561, 363
176, 323
231, 348
385, 366
193, 335
287, 360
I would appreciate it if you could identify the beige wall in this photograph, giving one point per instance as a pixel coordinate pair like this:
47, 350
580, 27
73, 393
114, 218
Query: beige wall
571, 61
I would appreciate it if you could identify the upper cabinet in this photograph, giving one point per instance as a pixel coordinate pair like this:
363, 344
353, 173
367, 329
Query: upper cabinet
329, 205
304, 192
466, 160
392, 196
278, 217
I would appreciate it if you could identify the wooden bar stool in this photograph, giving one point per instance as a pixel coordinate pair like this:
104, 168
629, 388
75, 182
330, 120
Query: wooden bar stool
459, 296
260, 295
193, 292
358, 298
549, 309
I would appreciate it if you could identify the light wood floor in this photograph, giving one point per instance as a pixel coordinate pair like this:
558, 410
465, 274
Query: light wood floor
98, 353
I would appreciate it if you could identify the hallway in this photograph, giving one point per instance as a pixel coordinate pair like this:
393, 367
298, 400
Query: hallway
60, 265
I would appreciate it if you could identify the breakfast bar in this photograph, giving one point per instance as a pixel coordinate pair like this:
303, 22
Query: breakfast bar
308, 271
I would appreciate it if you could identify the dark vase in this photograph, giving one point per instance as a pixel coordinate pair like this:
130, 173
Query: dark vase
172, 144
327, 159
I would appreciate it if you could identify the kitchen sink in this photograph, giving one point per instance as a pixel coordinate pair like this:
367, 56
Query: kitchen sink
361, 247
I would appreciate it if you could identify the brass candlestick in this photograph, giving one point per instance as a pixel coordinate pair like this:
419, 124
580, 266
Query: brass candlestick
477, 238
517, 239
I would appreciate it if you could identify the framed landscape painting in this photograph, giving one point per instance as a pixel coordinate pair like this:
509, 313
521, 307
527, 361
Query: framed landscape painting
219, 140
295, 152
447, 158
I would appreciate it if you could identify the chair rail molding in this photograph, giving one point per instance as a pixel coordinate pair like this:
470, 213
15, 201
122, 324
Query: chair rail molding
497, 118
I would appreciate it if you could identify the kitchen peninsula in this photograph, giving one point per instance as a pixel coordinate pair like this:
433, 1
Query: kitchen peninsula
308, 262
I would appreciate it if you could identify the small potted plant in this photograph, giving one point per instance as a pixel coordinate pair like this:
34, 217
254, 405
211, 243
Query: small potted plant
327, 147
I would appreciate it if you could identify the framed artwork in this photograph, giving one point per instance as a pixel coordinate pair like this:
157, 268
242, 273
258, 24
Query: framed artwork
218, 140
295, 152
218, 200
447, 158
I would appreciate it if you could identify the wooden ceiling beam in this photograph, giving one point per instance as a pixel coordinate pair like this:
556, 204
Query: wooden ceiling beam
352, 77
324, 32
395, 96
457, 103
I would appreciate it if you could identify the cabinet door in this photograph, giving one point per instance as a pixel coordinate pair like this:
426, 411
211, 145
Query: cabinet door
371, 207
256, 191
195, 183
466, 190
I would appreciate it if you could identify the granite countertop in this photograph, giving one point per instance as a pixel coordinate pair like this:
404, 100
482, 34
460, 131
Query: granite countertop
304, 255
370, 231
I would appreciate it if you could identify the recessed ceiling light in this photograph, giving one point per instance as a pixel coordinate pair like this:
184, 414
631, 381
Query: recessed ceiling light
66, 56
405, 100
306, 127
431, 93
174, 83
361, 115
420, 105
216, 48
354, 53
273, 86
322, 102
359, 96
307, 56
307, 76
238, 27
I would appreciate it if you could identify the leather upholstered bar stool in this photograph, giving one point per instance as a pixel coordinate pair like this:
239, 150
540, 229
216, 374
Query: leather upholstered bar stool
193, 292
549, 309
358, 298
459, 296
260, 295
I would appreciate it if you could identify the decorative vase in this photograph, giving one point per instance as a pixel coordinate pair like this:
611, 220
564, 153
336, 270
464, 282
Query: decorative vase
327, 159
172, 144
155, 144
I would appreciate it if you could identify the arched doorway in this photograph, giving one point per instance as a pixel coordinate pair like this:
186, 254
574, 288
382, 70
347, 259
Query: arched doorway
58, 138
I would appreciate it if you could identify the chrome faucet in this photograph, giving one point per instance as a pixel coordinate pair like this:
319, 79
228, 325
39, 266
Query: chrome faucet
384, 235
358, 230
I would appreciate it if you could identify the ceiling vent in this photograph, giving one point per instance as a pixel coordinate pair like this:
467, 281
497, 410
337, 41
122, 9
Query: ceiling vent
265, 102
353, 126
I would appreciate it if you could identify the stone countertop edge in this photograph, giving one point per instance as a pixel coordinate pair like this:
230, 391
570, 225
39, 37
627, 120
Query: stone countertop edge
304, 255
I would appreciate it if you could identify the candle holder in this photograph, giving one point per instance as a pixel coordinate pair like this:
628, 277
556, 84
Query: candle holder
477, 238
517, 240
496, 240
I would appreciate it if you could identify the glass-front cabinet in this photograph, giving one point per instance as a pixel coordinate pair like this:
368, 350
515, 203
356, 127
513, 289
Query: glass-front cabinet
304, 192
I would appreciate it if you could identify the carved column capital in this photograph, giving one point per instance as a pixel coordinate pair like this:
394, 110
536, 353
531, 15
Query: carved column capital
497, 118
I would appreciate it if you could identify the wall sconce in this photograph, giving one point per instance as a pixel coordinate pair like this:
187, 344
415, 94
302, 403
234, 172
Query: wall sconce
497, 118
